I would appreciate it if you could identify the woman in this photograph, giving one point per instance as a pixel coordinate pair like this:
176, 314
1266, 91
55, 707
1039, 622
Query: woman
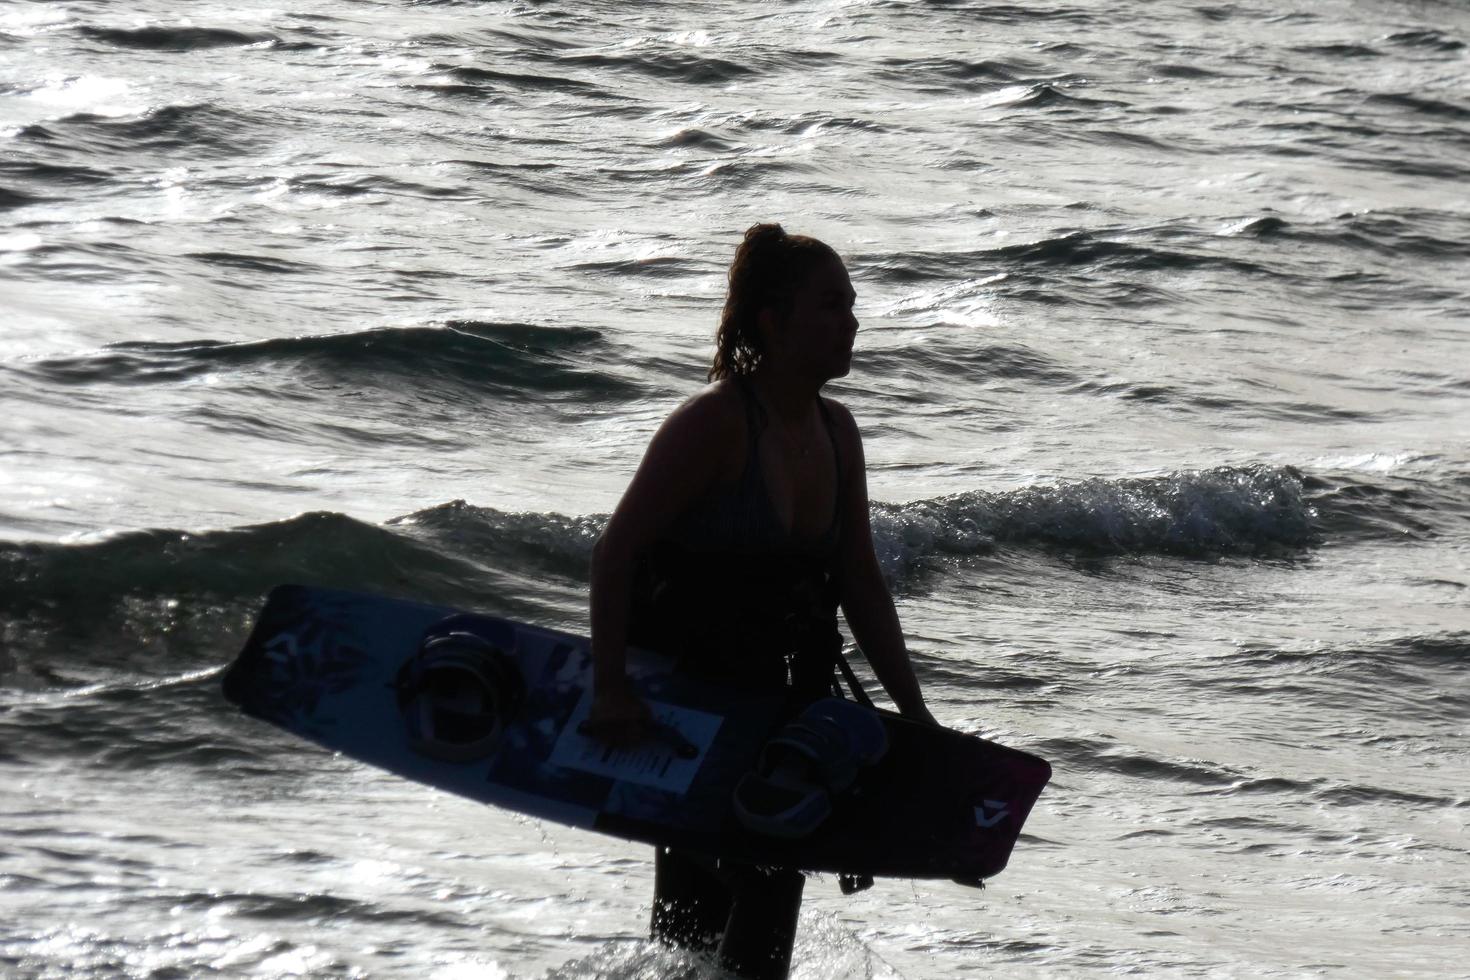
744, 528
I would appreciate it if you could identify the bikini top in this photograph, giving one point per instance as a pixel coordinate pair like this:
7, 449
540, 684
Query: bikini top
734, 596
739, 518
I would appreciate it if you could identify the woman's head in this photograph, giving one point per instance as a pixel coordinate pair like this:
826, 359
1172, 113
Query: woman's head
770, 267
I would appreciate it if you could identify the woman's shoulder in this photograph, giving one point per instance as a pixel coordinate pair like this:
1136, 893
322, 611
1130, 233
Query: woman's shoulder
837, 411
717, 408
840, 418
709, 425
845, 429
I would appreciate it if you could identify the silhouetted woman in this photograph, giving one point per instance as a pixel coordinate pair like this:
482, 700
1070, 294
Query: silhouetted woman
743, 530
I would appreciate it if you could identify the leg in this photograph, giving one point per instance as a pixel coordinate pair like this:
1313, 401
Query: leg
762, 924
691, 901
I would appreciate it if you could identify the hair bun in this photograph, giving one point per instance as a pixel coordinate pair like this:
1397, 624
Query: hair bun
758, 234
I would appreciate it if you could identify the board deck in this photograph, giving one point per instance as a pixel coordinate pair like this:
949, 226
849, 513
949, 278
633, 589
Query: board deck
323, 664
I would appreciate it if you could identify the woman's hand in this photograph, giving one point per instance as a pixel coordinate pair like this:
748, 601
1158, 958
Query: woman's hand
618, 717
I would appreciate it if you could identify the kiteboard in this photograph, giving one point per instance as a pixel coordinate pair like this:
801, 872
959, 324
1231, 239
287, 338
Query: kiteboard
495, 710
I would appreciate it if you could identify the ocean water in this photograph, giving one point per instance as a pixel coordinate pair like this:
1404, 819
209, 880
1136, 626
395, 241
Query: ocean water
1164, 376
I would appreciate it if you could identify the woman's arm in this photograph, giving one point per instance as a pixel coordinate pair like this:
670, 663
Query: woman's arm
865, 599
690, 452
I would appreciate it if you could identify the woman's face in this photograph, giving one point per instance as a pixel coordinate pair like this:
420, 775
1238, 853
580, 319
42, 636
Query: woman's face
816, 337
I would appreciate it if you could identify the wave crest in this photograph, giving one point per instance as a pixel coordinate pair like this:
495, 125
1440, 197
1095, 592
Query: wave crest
1254, 510
457, 552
